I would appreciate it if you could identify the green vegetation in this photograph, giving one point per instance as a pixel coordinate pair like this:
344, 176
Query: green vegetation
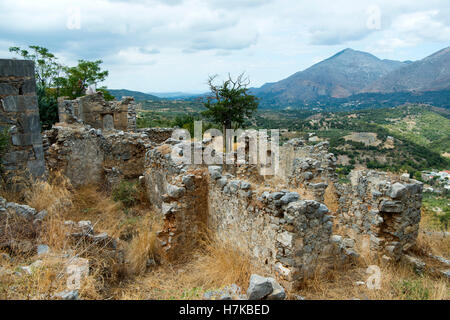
439, 208
230, 102
4, 140
127, 193
412, 289
54, 80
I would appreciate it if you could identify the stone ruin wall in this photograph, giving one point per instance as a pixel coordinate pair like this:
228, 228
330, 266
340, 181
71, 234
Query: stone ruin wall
93, 110
282, 234
380, 211
290, 232
88, 155
19, 116
292, 227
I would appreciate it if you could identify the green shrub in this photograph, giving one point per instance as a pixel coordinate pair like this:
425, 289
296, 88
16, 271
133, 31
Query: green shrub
127, 193
4, 140
413, 290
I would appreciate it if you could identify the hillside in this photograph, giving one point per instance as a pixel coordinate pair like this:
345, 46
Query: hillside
410, 137
355, 80
430, 73
138, 96
339, 76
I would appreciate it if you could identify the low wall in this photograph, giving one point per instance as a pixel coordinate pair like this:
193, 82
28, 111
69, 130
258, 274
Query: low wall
380, 211
281, 233
87, 155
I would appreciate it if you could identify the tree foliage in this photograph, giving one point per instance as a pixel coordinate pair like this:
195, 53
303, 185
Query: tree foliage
54, 80
78, 79
47, 68
230, 102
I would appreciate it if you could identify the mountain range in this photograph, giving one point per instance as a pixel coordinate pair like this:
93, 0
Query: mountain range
350, 79
351, 73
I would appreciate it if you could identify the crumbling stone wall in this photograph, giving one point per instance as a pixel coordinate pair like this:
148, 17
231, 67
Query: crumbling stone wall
380, 211
288, 233
308, 167
93, 110
283, 234
280, 232
87, 155
19, 115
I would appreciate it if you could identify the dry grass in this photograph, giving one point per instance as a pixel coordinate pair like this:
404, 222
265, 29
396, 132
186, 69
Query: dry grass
214, 265
398, 282
63, 203
143, 247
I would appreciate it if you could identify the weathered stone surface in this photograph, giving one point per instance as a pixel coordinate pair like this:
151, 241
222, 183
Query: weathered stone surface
93, 110
278, 292
42, 249
259, 287
391, 206
397, 190
215, 172
289, 197
20, 113
175, 191
67, 295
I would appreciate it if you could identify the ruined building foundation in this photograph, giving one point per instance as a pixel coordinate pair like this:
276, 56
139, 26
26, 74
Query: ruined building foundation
294, 224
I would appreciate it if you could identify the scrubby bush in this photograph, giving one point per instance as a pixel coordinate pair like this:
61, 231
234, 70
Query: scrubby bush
127, 193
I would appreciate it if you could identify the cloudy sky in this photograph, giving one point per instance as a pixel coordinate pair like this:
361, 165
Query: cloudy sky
173, 45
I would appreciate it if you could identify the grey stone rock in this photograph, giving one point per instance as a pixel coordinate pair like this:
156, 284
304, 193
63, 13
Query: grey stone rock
41, 215
175, 192
86, 227
277, 195
446, 273
245, 185
166, 208
278, 292
336, 238
307, 175
42, 249
67, 295
397, 190
416, 263
188, 181
21, 209
289, 197
391, 206
259, 288
222, 182
215, 172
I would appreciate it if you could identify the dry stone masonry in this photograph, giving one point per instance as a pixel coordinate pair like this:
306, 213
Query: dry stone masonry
19, 117
93, 110
290, 233
292, 225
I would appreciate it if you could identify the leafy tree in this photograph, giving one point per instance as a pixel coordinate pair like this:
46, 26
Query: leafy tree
48, 107
47, 68
79, 78
230, 102
54, 80
108, 96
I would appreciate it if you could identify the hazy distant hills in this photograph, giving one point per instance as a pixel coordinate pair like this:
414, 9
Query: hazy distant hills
348, 80
344, 74
175, 95
138, 96
429, 74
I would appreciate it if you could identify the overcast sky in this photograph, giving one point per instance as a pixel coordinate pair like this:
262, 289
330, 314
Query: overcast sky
173, 45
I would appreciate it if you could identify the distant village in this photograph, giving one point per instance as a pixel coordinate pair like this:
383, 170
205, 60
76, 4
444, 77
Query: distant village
438, 181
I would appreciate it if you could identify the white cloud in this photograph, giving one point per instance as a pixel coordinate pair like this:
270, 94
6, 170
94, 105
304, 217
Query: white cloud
172, 45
